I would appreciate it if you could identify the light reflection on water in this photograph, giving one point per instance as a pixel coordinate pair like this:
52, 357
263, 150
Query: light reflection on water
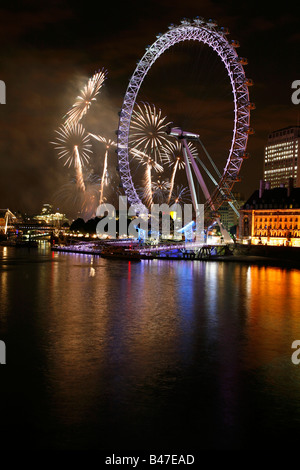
196, 353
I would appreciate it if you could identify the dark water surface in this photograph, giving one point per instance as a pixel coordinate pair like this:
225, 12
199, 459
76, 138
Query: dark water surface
108, 354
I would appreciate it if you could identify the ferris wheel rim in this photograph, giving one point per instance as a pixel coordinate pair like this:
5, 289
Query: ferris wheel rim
207, 33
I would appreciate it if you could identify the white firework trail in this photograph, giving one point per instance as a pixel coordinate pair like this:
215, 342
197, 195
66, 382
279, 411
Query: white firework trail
73, 145
175, 159
108, 143
150, 165
87, 96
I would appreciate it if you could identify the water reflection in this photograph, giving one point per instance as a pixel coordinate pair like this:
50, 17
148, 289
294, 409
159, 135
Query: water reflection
273, 313
138, 346
140, 333
4, 295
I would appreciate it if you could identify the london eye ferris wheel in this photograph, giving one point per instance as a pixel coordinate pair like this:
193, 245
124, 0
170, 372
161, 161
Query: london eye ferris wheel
226, 173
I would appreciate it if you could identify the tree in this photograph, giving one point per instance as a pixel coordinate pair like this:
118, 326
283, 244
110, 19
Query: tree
78, 225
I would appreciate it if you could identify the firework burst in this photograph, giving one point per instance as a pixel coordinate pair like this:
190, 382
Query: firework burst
150, 165
148, 136
160, 190
147, 131
108, 143
174, 158
73, 145
181, 195
86, 97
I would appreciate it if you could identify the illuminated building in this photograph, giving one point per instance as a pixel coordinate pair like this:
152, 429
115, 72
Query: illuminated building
281, 157
271, 217
48, 217
47, 209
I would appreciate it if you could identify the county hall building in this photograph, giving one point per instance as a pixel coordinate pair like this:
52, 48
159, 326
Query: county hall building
271, 216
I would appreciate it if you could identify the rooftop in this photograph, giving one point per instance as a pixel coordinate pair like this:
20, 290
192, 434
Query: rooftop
276, 198
284, 131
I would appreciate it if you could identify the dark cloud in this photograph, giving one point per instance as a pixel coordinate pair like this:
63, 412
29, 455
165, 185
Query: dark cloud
17, 22
49, 50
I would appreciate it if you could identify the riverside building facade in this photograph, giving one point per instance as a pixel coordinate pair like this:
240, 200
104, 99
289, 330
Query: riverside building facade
271, 216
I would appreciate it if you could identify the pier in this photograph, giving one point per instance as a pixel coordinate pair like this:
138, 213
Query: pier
179, 251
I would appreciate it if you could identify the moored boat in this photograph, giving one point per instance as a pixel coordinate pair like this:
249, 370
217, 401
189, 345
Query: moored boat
20, 243
120, 253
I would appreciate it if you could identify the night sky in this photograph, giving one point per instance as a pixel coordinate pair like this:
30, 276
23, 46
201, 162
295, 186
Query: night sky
50, 49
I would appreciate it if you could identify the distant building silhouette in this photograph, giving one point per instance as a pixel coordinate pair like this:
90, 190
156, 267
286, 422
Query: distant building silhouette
229, 218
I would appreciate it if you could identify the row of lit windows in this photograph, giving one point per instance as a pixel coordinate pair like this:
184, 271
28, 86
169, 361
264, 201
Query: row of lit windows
281, 159
273, 226
281, 148
281, 156
281, 170
280, 227
273, 174
280, 179
281, 162
275, 220
281, 151
278, 234
286, 143
272, 230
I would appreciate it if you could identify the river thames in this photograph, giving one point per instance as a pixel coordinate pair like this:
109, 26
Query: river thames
115, 355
